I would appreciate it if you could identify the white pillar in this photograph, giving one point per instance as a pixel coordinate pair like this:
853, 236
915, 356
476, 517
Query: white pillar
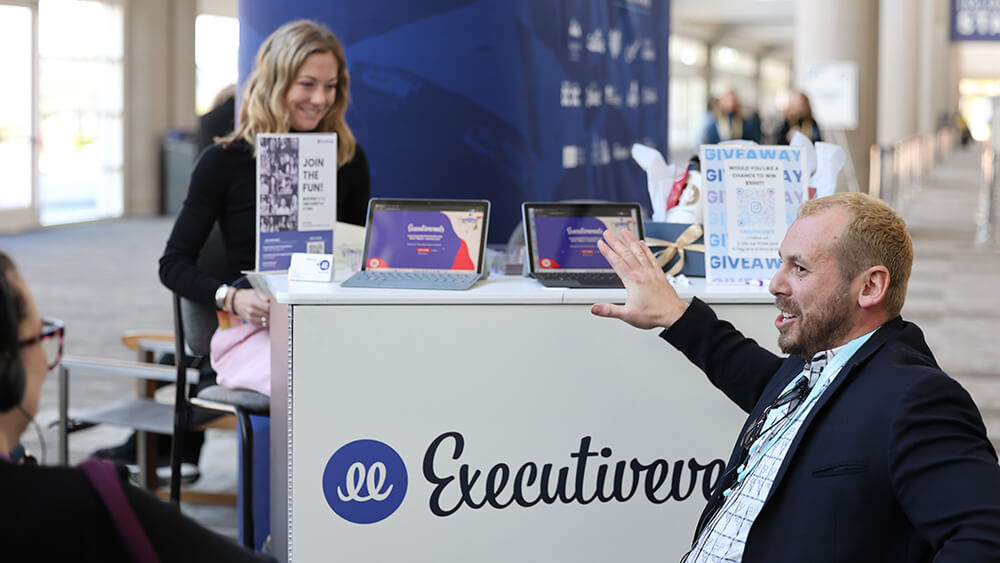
945, 63
159, 77
933, 68
845, 30
897, 69
954, 76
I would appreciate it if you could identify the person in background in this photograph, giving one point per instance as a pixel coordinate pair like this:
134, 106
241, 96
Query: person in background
858, 447
218, 121
965, 135
727, 120
84, 513
798, 117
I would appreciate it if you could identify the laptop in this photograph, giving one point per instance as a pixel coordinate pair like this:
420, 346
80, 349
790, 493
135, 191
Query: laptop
561, 240
423, 244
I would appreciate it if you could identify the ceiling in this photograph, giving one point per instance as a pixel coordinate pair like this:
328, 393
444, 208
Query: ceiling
761, 26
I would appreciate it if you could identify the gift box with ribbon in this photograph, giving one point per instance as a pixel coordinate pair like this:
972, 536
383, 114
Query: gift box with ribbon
679, 247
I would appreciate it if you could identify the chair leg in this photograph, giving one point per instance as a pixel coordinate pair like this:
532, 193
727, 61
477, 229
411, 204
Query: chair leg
181, 406
246, 439
176, 447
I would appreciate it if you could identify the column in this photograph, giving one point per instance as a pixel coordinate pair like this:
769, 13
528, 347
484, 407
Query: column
843, 31
508, 101
954, 74
159, 91
897, 69
934, 67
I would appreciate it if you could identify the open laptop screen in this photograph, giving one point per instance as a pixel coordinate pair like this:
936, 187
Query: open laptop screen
562, 237
419, 235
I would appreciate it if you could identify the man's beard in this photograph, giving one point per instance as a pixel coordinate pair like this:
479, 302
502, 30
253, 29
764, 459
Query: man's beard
824, 327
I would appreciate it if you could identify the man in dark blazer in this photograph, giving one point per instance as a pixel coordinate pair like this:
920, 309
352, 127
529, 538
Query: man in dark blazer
858, 447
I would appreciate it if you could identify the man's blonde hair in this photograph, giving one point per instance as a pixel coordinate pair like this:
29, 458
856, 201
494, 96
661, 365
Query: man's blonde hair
874, 235
278, 61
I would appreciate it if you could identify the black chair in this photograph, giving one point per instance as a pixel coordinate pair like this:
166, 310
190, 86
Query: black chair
241, 403
200, 321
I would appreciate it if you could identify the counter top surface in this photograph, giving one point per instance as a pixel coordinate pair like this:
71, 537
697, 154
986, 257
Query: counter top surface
494, 290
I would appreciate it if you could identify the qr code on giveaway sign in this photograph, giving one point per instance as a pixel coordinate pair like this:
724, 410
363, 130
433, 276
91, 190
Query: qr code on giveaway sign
755, 207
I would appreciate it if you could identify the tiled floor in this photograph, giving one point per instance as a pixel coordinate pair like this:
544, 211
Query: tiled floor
101, 278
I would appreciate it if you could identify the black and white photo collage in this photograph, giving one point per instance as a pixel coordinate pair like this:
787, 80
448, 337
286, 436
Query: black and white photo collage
278, 171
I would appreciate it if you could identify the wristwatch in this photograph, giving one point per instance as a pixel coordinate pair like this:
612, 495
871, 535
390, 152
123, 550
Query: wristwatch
220, 297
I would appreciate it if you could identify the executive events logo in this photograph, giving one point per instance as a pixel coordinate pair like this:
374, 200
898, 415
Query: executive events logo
364, 481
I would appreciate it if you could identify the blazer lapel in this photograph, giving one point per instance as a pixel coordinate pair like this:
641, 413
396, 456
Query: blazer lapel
889, 330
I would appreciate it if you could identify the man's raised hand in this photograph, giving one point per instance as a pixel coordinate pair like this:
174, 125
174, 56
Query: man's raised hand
651, 301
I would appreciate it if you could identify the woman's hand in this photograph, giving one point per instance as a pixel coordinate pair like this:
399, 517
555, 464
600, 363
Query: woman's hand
250, 307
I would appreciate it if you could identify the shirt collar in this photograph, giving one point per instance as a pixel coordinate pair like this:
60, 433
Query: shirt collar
851, 346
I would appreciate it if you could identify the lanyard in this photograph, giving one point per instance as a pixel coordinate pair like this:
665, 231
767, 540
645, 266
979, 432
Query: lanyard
833, 366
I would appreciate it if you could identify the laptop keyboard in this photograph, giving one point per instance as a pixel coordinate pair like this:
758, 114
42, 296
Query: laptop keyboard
411, 280
583, 279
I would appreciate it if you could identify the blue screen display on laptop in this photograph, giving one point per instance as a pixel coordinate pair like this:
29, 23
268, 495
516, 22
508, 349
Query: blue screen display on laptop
421, 239
568, 242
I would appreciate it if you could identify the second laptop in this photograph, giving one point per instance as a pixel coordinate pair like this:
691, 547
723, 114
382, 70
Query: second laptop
561, 240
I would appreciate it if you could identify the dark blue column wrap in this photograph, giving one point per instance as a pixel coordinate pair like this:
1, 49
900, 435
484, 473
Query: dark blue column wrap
489, 98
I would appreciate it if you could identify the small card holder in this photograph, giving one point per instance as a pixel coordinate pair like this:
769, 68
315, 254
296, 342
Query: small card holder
311, 267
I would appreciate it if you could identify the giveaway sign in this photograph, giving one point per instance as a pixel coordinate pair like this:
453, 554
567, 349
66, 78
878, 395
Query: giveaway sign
753, 194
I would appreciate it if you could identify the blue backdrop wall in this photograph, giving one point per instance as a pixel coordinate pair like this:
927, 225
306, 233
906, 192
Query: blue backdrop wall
506, 100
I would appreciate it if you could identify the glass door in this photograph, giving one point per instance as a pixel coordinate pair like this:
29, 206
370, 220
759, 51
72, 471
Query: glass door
81, 104
18, 115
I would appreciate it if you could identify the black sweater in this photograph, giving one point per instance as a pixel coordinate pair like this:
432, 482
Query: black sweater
222, 190
55, 514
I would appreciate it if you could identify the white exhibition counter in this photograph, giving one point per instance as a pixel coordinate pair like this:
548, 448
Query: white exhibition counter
504, 423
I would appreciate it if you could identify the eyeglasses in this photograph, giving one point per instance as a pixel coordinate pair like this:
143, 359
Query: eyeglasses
793, 397
51, 339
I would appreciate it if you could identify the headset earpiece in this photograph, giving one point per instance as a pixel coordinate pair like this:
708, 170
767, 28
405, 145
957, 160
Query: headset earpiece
12, 376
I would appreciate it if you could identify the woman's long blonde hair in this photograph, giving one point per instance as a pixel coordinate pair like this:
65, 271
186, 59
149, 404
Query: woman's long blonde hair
278, 61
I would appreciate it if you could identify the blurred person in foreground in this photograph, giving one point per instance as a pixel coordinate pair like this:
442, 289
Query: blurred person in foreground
85, 513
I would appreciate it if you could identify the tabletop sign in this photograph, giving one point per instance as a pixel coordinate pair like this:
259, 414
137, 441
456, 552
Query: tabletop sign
753, 194
296, 196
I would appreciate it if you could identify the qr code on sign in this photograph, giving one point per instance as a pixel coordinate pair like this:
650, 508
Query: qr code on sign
315, 247
755, 207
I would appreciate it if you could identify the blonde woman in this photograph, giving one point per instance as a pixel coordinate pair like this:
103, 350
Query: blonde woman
299, 83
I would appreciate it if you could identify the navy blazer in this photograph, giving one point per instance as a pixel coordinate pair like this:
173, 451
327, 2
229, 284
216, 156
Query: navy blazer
891, 465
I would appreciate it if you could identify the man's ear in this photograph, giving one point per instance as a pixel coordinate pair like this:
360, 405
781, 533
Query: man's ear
875, 285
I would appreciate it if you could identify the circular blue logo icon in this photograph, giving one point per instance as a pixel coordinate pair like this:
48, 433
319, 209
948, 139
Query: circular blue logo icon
324, 265
364, 481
